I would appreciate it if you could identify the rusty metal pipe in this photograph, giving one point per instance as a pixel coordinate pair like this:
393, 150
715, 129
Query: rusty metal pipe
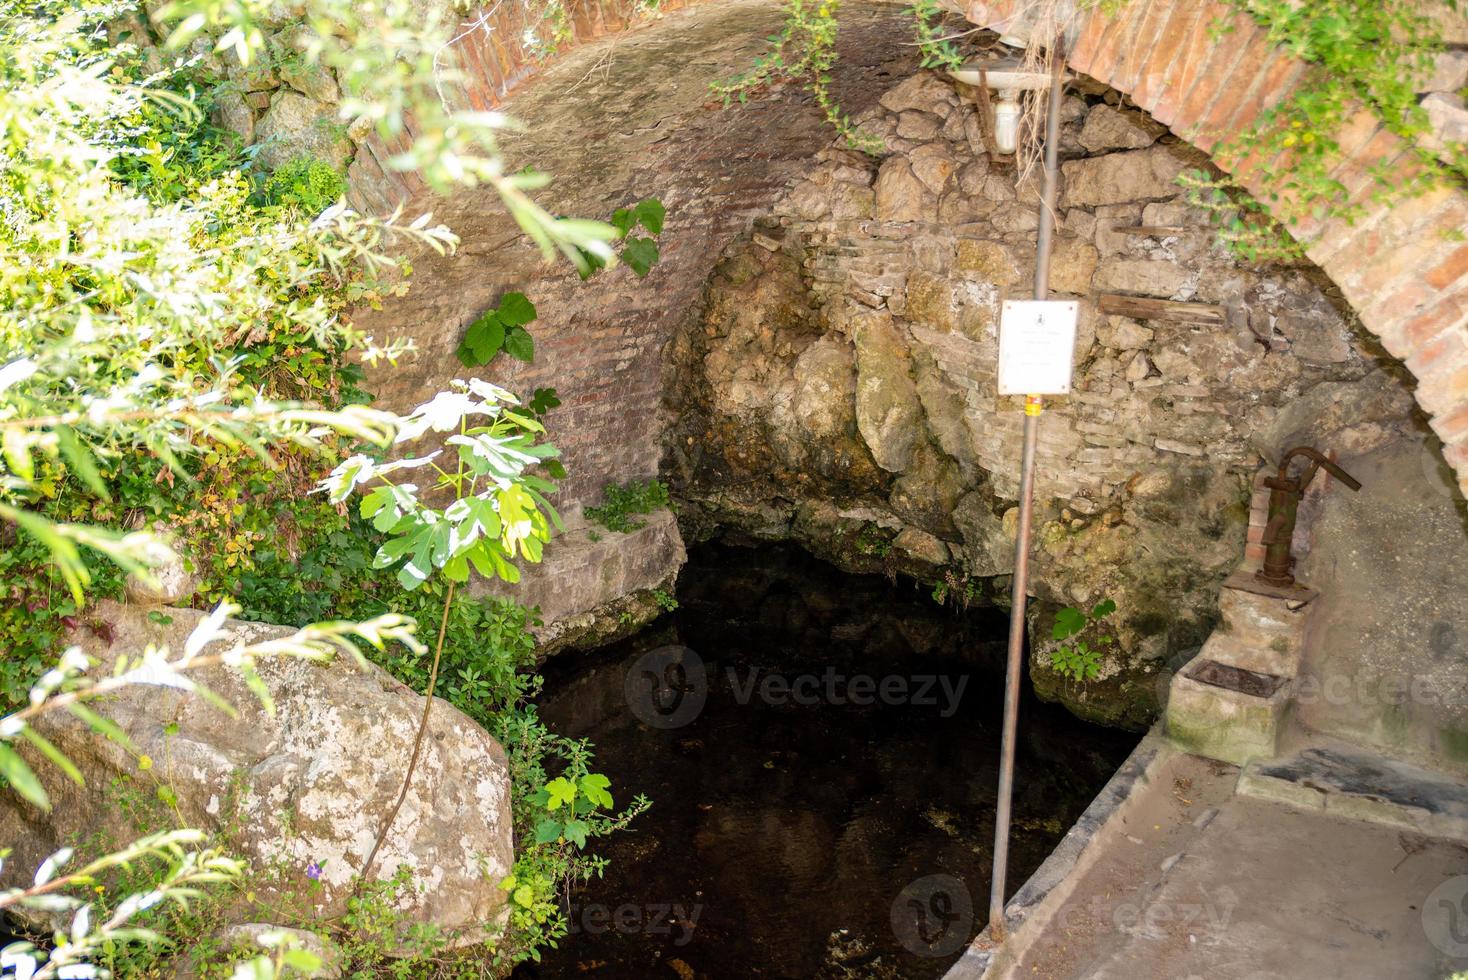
1284, 503
1019, 590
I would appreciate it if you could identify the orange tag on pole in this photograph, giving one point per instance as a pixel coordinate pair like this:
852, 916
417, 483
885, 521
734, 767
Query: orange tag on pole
1034, 404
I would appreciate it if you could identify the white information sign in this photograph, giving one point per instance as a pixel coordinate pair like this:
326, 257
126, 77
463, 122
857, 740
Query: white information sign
1037, 342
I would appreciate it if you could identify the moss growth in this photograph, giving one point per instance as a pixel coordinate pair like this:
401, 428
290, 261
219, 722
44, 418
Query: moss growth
1454, 742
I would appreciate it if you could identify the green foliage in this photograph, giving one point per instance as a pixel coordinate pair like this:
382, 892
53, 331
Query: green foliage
1078, 660
1363, 53
639, 252
957, 587
936, 45
666, 601
803, 51
874, 540
311, 185
174, 348
622, 502
500, 328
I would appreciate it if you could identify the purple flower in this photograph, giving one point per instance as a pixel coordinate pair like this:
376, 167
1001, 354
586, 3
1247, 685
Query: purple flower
313, 871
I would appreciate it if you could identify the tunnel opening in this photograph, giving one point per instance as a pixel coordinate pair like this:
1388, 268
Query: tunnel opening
821, 750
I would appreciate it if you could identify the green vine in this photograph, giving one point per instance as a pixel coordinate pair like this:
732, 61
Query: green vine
1369, 53
803, 51
933, 41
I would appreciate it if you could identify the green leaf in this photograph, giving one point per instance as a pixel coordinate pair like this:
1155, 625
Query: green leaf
651, 213
1103, 609
640, 254
516, 310
575, 831
21, 778
301, 960
594, 788
547, 830
544, 400
103, 726
623, 219
562, 792
519, 345
1068, 622
484, 338
79, 458
57, 757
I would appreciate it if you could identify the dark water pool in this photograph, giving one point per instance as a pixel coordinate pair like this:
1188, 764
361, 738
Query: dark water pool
822, 754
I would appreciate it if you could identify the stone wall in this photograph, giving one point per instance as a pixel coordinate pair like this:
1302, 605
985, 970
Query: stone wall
839, 385
1209, 70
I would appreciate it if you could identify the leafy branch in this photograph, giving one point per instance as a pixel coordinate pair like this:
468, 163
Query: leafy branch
1079, 660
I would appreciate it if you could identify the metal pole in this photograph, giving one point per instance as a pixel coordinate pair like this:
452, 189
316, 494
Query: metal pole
1018, 597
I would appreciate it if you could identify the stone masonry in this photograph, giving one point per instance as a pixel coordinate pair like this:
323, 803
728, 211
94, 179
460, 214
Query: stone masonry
1403, 266
839, 386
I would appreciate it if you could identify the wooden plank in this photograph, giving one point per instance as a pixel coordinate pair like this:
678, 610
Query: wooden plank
1148, 308
1160, 231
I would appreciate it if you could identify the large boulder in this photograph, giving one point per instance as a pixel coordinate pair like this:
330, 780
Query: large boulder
309, 784
295, 127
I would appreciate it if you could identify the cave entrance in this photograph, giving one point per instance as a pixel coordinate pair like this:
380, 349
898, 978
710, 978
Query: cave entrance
821, 749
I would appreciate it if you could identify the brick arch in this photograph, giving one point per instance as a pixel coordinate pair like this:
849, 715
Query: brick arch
1403, 267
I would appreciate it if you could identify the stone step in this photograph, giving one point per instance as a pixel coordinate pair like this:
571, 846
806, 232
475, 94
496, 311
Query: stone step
1352, 783
1257, 654
1223, 712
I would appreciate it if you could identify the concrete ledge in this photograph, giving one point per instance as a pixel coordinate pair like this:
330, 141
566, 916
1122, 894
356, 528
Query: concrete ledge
1046, 890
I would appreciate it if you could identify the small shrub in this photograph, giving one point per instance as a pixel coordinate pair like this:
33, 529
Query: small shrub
1079, 660
311, 185
636, 497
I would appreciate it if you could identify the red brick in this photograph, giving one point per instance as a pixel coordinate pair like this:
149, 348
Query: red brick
1210, 84
1128, 71
1456, 453
1278, 81
1255, 53
1119, 38
1453, 425
1157, 70
1439, 356
1092, 33
1450, 270
1189, 61
1445, 312
1444, 392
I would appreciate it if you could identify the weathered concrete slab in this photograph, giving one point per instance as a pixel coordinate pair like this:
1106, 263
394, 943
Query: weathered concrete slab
1353, 784
1192, 880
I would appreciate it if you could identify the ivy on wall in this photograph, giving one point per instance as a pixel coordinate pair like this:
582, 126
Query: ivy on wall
1362, 53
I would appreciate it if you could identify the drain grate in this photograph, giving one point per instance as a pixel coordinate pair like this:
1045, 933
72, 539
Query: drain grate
1238, 679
